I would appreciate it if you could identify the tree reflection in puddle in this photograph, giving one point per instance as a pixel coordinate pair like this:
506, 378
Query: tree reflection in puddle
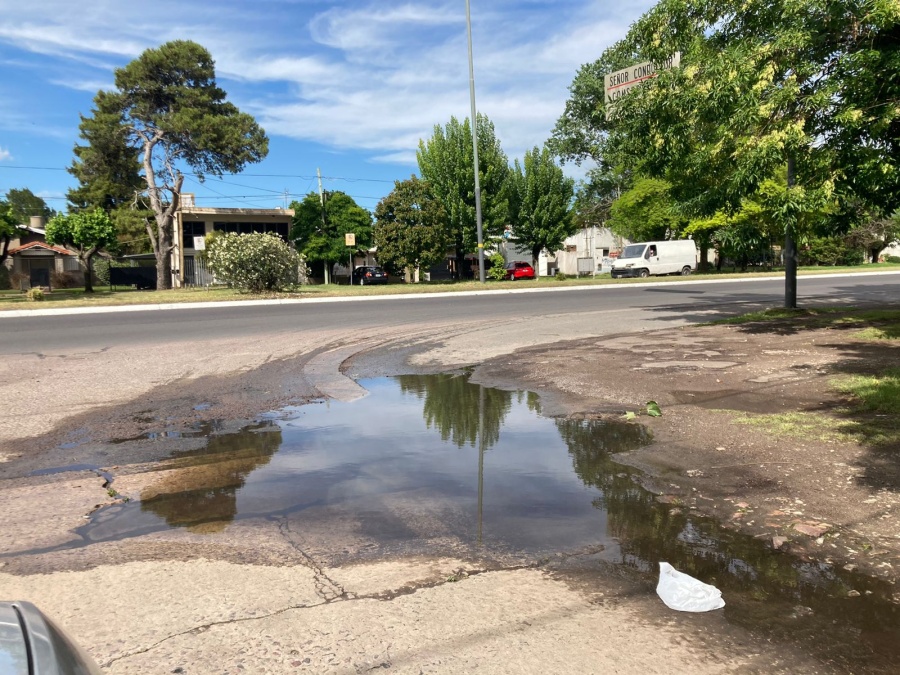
437, 464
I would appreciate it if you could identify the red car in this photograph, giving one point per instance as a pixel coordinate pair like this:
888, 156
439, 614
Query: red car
519, 270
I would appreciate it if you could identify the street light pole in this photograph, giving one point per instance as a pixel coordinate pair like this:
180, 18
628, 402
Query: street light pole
481, 277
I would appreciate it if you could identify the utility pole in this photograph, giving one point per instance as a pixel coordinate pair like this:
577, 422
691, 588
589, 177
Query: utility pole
322, 203
481, 277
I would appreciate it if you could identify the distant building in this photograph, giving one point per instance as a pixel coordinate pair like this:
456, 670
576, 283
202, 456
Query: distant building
33, 260
589, 251
193, 223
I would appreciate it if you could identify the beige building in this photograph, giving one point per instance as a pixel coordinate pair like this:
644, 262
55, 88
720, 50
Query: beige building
193, 223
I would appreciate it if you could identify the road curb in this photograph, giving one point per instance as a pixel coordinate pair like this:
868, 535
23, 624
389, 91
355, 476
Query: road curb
109, 309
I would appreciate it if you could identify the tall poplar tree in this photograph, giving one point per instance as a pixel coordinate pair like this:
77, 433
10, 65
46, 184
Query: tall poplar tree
542, 214
446, 161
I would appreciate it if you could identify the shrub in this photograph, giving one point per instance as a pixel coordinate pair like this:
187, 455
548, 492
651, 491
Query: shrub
561, 277
35, 294
66, 279
831, 251
5, 282
16, 279
892, 258
497, 269
101, 271
102, 266
255, 262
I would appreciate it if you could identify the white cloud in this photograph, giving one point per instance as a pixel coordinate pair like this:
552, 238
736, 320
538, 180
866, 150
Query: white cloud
5, 155
355, 75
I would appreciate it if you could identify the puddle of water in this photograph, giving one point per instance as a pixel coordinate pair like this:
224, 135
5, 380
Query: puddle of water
198, 430
436, 463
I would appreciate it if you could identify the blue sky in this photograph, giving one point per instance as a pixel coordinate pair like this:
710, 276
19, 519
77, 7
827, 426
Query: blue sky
345, 86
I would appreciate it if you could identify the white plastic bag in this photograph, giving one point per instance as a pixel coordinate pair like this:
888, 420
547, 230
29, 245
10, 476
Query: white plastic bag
685, 593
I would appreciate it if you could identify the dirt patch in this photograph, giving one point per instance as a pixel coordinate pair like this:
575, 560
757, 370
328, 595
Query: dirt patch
755, 430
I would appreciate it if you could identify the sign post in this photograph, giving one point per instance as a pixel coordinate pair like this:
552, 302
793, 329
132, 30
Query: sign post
619, 82
350, 242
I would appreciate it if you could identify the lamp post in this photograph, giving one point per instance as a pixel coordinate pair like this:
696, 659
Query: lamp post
481, 277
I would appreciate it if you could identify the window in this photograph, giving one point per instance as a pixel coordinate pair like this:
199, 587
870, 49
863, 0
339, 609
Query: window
191, 230
281, 229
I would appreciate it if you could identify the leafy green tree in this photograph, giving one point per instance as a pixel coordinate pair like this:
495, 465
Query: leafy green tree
646, 212
595, 195
168, 107
108, 172
131, 229
874, 234
446, 162
318, 231
542, 203
410, 230
106, 165
23, 204
9, 228
87, 233
761, 85
255, 262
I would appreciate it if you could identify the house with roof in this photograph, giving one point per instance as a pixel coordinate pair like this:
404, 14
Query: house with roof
193, 223
33, 262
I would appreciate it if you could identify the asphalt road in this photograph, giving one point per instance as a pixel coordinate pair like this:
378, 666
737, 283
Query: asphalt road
694, 300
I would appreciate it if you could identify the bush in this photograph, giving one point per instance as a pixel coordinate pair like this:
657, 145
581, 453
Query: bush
560, 276
35, 294
66, 279
255, 262
831, 251
101, 267
16, 279
892, 258
497, 270
5, 282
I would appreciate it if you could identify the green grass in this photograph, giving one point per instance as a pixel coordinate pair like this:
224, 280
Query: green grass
877, 324
774, 313
872, 417
879, 394
813, 426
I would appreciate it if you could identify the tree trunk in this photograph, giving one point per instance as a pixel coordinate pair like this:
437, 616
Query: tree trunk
460, 261
88, 276
703, 244
164, 255
4, 251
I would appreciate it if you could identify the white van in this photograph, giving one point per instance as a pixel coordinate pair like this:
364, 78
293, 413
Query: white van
656, 257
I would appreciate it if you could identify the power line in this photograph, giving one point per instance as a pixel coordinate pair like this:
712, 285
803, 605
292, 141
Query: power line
255, 175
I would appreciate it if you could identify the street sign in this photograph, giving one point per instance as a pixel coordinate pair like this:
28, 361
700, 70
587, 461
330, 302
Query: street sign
199, 243
619, 82
350, 239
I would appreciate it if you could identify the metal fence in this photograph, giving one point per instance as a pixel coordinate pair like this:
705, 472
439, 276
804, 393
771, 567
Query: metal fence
196, 273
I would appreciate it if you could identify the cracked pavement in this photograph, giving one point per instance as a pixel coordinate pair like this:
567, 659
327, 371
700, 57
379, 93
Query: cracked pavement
264, 597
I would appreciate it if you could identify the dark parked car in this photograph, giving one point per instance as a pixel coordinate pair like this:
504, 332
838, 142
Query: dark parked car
519, 270
31, 644
363, 276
